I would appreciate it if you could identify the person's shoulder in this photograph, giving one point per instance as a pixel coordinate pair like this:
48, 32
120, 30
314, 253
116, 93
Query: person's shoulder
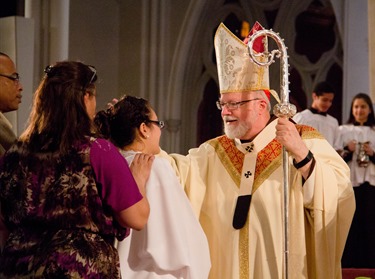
158, 162
102, 145
162, 168
213, 144
346, 126
305, 111
304, 128
218, 140
302, 114
210, 146
333, 119
161, 161
308, 132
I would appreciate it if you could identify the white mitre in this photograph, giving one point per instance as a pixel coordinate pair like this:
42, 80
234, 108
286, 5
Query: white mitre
236, 71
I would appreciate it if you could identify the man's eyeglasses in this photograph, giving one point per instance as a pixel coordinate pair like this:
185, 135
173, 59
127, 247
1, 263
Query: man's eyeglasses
161, 124
15, 77
233, 105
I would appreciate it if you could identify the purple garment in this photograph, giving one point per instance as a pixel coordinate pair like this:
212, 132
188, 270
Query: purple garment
119, 189
59, 210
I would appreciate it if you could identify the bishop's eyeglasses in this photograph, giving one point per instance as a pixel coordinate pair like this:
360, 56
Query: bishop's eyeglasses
233, 105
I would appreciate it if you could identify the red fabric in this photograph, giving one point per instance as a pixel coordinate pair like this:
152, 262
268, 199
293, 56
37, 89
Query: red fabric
258, 45
352, 273
268, 93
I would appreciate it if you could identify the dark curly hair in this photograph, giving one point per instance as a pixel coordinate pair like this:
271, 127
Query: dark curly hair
120, 123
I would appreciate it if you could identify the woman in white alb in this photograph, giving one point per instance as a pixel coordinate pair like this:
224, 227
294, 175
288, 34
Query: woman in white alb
173, 244
356, 143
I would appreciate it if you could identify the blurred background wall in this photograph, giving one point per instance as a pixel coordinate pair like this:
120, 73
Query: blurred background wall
162, 50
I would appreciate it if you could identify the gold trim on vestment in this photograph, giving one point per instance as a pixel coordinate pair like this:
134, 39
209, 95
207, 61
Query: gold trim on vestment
243, 250
308, 132
268, 160
230, 157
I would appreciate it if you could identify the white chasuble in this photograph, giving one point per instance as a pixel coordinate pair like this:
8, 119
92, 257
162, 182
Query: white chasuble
320, 210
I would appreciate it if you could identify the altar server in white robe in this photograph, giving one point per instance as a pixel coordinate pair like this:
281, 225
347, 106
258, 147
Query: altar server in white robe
173, 244
316, 116
356, 143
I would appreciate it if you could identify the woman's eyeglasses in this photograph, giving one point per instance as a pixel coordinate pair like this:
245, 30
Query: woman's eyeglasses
161, 124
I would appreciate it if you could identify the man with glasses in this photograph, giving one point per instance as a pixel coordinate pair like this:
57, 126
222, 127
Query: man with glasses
235, 182
10, 98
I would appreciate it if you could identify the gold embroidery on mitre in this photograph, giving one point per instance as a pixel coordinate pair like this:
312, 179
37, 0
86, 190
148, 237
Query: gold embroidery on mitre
236, 71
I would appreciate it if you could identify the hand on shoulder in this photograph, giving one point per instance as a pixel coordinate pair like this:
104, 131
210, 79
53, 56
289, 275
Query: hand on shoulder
141, 168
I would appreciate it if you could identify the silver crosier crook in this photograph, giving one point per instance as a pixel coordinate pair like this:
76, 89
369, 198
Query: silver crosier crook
283, 109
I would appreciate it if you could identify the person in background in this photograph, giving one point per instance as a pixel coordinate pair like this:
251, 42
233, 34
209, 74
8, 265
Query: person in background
10, 98
172, 244
235, 181
316, 116
356, 144
64, 193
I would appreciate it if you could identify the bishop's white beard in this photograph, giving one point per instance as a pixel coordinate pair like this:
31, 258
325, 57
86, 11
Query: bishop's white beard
237, 131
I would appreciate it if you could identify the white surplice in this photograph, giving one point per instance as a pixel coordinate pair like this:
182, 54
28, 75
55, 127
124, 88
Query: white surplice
349, 132
327, 125
172, 244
